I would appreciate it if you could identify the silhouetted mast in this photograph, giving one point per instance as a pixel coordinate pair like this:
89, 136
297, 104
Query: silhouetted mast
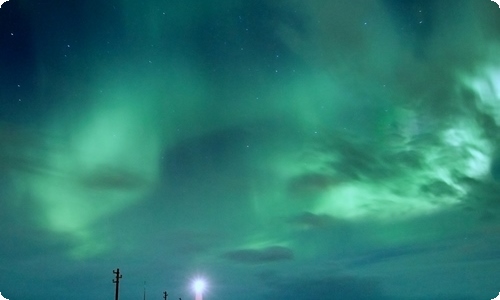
165, 295
116, 281
144, 290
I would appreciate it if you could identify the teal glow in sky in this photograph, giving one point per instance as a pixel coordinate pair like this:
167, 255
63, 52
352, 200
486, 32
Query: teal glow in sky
319, 149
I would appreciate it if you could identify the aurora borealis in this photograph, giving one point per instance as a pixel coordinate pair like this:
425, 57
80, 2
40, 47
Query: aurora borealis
281, 149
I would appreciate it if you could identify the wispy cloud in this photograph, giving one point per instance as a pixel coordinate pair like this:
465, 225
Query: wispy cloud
259, 256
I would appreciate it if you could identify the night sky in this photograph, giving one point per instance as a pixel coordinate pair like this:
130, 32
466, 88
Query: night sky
320, 149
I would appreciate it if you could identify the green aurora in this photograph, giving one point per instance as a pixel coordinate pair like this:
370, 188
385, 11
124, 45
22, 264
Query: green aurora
341, 147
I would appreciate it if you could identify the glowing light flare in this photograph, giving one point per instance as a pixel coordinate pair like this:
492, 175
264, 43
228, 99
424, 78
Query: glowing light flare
199, 286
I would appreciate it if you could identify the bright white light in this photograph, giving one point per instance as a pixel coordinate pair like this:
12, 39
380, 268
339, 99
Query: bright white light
199, 285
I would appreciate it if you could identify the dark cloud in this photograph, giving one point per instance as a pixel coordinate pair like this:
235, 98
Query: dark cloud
108, 177
354, 158
338, 287
310, 184
310, 220
326, 287
483, 195
386, 254
260, 256
439, 188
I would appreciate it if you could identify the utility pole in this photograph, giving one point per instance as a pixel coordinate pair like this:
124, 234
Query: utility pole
116, 281
165, 295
